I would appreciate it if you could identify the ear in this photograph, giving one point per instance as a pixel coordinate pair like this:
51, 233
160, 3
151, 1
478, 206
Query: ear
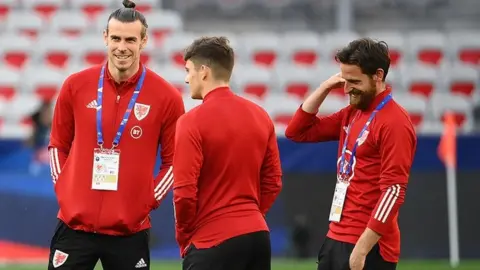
105, 37
204, 72
144, 42
379, 75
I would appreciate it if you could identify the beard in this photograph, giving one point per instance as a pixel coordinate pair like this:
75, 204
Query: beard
362, 99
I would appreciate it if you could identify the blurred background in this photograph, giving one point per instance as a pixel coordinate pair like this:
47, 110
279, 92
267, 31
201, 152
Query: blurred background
284, 49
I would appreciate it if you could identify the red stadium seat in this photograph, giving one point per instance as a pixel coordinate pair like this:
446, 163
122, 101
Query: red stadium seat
298, 89
416, 118
281, 107
295, 80
430, 56
265, 57
253, 80
428, 47
44, 82
7, 91
395, 57
415, 105
56, 51
461, 79
4, 9
10, 81
162, 23
470, 56
58, 59
420, 78
95, 57
283, 119
465, 46
459, 105
16, 59
306, 52
465, 87
422, 88
46, 92
305, 57
25, 23
256, 89
261, 48
92, 10
44, 8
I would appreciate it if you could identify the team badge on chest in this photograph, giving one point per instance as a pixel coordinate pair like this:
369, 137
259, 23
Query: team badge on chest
141, 111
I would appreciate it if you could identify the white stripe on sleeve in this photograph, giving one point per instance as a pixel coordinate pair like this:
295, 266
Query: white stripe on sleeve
55, 169
387, 203
164, 185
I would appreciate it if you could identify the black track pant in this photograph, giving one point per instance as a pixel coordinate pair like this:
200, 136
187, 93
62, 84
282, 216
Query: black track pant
335, 255
75, 250
245, 252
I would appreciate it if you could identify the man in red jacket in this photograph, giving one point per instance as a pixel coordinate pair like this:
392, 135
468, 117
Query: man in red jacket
227, 168
108, 123
377, 145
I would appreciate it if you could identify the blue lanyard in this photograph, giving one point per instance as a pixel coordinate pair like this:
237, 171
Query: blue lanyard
121, 128
354, 150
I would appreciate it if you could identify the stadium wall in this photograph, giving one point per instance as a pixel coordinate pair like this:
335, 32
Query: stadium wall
28, 206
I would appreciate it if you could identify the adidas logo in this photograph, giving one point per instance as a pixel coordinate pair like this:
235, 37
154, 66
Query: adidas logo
141, 264
93, 105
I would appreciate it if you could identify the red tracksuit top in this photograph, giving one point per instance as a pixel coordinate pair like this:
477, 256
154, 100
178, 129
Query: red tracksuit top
227, 170
380, 172
73, 140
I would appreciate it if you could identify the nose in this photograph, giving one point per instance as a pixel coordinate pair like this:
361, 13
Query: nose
122, 47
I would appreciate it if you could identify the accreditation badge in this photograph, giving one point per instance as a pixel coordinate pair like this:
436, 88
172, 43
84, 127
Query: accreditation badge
338, 199
105, 169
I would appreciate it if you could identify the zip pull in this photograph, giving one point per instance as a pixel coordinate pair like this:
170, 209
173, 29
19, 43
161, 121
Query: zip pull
118, 98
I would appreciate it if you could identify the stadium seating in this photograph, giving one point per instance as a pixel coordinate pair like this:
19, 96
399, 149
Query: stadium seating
43, 41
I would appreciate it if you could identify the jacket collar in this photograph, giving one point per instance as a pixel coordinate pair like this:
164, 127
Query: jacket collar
218, 92
130, 81
378, 99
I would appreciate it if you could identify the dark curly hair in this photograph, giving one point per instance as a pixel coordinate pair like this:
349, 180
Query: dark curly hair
366, 53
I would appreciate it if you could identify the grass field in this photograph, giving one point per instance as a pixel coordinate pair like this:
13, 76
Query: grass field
295, 265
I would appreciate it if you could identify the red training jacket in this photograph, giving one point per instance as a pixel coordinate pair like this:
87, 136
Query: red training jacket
227, 170
73, 139
380, 171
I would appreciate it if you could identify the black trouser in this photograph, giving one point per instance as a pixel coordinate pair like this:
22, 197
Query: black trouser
245, 252
71, 249
335, 255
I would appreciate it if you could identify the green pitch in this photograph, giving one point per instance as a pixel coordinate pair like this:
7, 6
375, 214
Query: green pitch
297, 265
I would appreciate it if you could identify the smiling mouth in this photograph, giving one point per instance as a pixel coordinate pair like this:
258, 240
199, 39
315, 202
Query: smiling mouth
354, 95
122, 57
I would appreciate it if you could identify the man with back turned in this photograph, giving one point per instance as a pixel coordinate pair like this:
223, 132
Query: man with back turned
227, 168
